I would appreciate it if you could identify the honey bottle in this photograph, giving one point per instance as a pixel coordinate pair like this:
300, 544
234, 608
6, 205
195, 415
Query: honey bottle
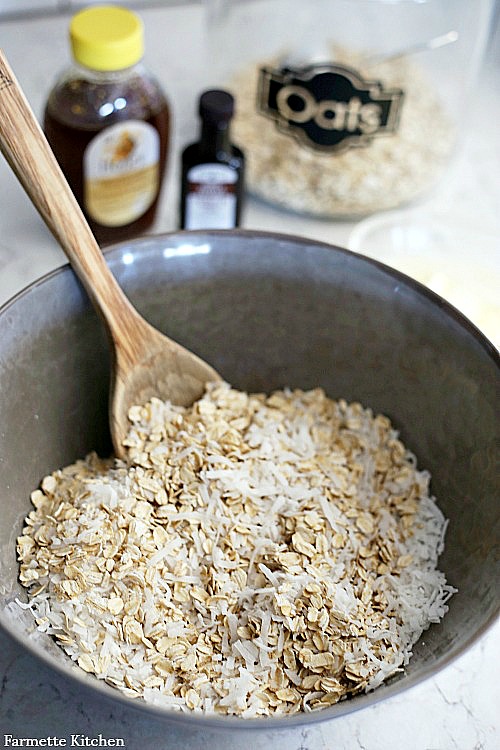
108, 123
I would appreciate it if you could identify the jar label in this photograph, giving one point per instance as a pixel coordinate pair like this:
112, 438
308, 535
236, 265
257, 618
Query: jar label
121, 172
211, 197
328, 107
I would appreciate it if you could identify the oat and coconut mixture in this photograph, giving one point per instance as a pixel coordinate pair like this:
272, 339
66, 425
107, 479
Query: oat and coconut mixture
256, 555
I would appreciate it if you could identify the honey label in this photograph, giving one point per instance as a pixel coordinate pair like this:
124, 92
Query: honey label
328, 107
121, 172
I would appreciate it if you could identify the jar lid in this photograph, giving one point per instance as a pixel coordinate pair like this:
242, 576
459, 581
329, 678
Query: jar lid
106, 37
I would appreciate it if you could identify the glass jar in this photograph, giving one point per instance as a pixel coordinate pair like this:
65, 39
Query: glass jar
346, 107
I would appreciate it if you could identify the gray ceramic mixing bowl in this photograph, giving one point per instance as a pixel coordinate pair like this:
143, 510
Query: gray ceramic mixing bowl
266, 311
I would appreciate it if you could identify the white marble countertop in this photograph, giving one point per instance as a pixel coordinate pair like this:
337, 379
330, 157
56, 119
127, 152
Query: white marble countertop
460, 707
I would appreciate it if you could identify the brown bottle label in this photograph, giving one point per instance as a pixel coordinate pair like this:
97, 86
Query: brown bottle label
211, 199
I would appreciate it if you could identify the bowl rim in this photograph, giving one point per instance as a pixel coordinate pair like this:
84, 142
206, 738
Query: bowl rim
114, 255
114, 251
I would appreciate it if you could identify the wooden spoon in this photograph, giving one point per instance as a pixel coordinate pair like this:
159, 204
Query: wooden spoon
145, 362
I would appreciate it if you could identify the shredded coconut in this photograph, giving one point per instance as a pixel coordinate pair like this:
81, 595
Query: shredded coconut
255, 555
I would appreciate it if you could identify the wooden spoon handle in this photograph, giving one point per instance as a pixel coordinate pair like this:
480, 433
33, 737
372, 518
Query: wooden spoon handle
26, 149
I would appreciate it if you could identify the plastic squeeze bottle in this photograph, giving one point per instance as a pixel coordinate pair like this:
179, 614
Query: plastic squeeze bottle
108, 122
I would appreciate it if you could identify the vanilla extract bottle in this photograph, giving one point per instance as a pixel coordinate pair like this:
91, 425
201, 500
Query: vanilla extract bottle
213, 169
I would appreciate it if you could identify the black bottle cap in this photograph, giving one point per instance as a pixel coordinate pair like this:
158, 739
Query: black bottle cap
216, 105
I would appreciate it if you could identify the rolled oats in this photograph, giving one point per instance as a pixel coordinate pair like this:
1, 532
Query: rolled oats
255, 555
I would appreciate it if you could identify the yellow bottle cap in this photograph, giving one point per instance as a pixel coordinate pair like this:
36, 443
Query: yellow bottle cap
106, 37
